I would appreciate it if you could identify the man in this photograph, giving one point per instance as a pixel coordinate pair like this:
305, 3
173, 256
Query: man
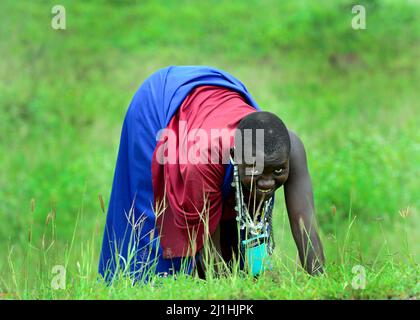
183, 140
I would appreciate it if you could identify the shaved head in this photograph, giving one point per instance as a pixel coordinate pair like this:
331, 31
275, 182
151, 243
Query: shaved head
276, 136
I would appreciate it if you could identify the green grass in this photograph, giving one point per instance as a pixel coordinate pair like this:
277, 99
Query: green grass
352, 96
388, 274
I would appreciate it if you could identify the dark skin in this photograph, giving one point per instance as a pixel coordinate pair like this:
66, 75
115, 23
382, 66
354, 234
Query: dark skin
290, 171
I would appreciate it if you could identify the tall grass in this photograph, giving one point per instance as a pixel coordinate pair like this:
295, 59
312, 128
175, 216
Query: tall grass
351, 96
30, 271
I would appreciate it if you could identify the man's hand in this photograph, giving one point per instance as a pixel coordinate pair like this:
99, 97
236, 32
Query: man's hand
300, 208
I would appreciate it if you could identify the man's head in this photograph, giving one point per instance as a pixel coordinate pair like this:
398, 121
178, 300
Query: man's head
262, 148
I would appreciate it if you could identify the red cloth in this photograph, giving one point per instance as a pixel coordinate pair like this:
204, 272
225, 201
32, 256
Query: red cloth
188, 188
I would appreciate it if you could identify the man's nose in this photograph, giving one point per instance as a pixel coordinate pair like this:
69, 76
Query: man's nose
265, 183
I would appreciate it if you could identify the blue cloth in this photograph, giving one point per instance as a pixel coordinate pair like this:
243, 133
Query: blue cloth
130, 241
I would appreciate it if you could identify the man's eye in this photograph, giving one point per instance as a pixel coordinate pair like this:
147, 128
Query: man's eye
279, 171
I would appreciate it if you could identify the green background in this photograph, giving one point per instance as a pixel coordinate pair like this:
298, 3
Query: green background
351, 95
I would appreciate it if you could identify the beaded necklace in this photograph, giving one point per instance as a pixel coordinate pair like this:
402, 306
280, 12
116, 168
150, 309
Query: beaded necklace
259, 240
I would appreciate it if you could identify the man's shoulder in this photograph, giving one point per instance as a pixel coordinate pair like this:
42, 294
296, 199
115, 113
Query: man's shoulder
296, 145
297, 157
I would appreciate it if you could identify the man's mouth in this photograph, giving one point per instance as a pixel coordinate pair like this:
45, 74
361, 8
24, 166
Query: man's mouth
265, 191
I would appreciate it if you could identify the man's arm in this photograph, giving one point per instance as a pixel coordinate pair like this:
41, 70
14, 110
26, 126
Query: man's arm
300, 208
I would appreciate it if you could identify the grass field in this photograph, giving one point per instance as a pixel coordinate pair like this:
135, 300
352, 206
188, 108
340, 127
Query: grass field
351, 95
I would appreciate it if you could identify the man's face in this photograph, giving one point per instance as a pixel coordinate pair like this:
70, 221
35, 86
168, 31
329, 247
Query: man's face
260, 185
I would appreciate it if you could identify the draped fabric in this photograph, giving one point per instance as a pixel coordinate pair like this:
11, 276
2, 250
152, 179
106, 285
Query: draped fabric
200, 134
